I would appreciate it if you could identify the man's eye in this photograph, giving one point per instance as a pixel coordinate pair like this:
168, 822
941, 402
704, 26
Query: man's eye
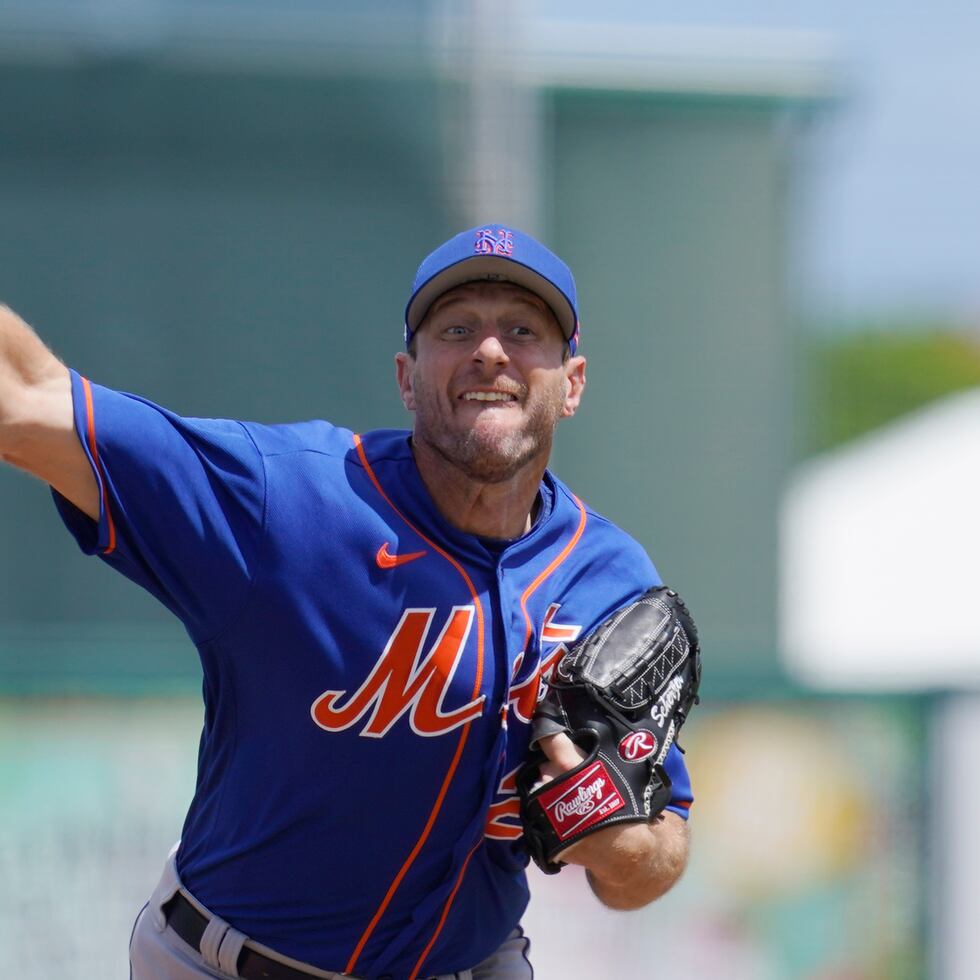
522, 331
456, 330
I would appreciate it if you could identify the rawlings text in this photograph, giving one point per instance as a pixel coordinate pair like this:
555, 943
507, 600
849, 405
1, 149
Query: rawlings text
574, 807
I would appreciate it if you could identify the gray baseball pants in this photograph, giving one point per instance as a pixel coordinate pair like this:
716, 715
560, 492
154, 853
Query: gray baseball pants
156, 952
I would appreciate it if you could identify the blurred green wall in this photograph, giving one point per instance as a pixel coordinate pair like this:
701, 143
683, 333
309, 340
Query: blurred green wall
242, 245
226, 245
671, 212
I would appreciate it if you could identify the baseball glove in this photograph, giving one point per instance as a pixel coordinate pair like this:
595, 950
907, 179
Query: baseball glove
621, 694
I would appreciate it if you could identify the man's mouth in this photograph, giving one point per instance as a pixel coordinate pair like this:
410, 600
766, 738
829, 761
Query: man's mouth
488, 396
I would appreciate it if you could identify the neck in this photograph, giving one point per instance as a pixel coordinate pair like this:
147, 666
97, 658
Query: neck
491, 510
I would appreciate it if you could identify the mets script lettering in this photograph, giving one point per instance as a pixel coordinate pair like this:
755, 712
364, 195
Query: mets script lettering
524, 697
404, 681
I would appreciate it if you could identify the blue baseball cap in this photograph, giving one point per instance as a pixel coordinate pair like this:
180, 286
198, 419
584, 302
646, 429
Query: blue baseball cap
495, 253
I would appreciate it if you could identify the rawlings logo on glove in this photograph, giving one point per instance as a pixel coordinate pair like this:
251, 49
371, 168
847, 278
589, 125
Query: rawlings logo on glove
621, 694
590, 797
637, 746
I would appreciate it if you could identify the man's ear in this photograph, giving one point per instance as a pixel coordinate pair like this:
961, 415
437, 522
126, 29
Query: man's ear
404, 373
574, 385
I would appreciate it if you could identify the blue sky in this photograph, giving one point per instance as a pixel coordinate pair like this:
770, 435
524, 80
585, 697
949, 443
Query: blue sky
889, 222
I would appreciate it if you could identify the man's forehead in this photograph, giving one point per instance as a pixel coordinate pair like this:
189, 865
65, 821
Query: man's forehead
475, 291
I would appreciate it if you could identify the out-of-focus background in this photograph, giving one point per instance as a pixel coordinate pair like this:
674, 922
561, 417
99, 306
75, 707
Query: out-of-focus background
773, 219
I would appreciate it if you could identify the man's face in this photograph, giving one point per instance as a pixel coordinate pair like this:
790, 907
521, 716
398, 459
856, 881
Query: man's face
489, 379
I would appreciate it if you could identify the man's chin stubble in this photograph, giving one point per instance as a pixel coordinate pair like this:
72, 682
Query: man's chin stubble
481, 463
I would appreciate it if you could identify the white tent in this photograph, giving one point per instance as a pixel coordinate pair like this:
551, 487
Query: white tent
879, 579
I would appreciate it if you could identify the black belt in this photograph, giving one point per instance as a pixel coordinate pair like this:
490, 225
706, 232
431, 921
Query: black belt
189, 924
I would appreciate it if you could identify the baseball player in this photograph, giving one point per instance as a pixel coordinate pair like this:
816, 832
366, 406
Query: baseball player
377, 615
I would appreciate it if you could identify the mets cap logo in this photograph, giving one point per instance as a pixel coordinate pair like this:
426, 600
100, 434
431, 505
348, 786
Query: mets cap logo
494, 242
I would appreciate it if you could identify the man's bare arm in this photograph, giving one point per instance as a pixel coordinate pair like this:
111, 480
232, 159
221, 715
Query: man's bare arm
636, 863
37, 432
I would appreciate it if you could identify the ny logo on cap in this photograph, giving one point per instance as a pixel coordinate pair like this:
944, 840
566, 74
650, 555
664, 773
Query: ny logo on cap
488, 243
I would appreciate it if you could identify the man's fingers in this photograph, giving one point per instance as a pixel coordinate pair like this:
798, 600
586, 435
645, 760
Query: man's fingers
563, 754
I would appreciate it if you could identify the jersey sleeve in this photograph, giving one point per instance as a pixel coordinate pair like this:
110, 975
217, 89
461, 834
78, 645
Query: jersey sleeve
181, 503
681, 796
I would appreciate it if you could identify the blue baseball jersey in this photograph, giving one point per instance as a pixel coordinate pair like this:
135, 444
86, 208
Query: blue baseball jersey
370, 673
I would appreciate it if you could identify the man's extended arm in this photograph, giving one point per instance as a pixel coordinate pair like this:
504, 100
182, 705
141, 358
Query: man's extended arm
628, 865
37, 431
635, 863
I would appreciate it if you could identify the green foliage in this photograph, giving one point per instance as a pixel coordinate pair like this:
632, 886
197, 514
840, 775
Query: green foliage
859, 381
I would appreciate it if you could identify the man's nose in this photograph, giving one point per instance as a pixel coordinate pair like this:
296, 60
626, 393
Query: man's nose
490, 350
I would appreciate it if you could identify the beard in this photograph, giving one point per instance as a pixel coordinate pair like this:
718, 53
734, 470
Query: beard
491, 450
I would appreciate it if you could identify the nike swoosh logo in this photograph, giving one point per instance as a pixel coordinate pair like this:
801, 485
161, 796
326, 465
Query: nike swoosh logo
386, 559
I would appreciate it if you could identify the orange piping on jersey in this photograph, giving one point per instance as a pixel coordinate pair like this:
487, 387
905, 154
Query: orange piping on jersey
464, 732
527, 619
419, 844
565, 552
94, 450
445, 913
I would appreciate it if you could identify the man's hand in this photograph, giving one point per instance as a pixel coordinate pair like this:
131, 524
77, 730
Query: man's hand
628, 865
